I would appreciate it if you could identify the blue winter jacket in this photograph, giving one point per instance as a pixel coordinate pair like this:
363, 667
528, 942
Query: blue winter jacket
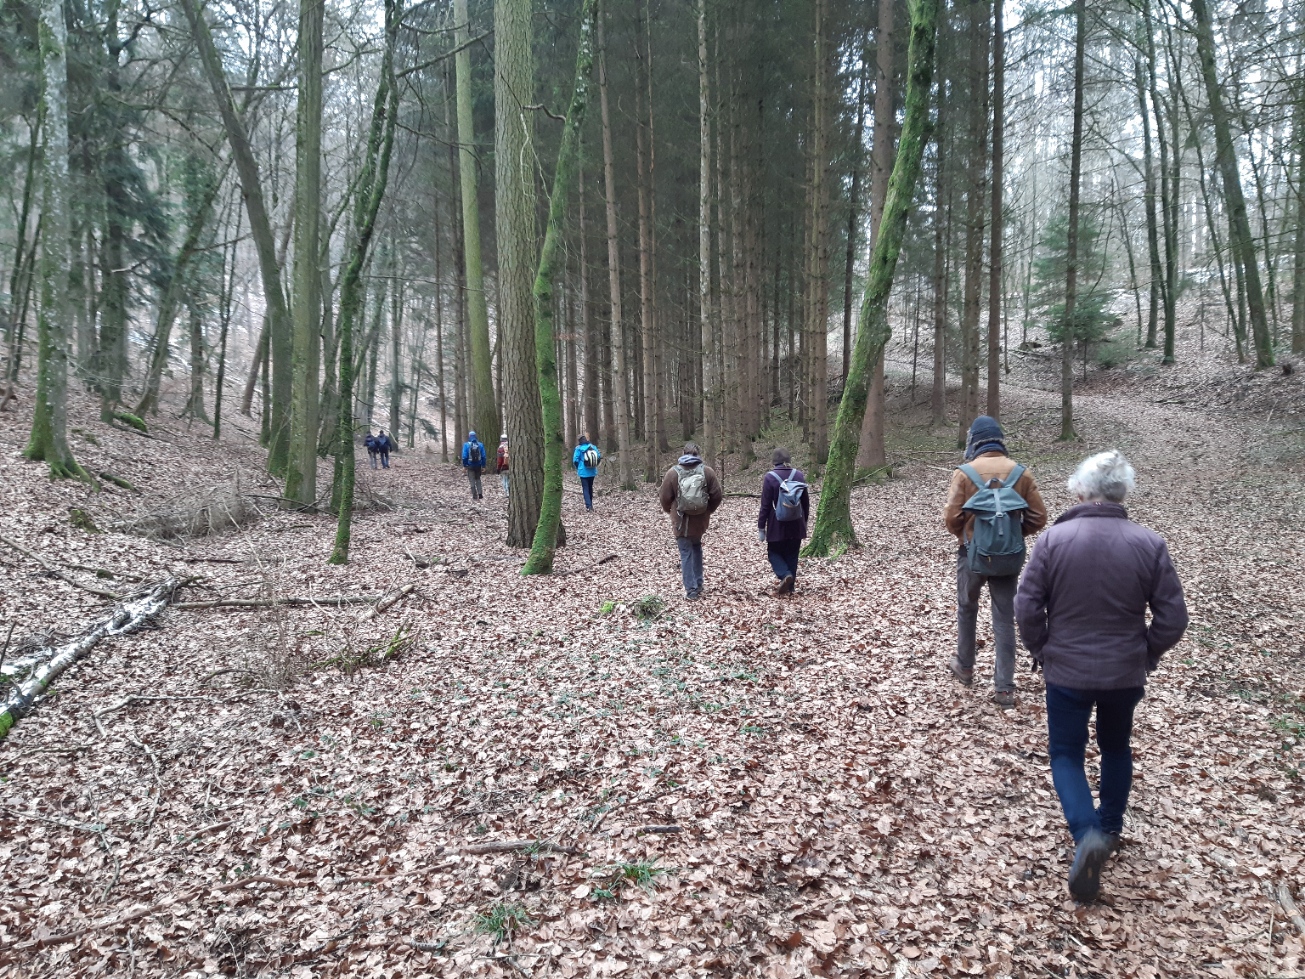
466, 455
577, 459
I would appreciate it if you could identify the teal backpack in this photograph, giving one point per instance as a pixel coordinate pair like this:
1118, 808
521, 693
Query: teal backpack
996, 547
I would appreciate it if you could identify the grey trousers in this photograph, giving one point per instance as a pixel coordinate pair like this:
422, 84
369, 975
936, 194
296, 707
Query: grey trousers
1001, 592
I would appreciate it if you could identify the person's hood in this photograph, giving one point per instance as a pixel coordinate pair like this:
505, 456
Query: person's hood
689, 461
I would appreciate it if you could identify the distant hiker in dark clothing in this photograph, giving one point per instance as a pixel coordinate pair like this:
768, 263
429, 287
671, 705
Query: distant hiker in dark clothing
691, 493
782, 519
1082, 610
990, 508
473, 462
585, 459
502, 462
383, 445
373, 448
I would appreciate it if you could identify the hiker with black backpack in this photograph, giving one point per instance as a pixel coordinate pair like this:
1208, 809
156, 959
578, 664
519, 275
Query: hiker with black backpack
1082, 612
384, 444
585, 459
691, 493
782, 520
992, 505
373, 448
473, 463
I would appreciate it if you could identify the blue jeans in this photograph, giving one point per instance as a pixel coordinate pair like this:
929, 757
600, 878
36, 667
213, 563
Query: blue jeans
1001, 593
690, 563
1068, 713
587, 487
783, 556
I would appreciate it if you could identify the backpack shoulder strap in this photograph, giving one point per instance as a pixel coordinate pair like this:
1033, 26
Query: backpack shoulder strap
973, 475
1014, 477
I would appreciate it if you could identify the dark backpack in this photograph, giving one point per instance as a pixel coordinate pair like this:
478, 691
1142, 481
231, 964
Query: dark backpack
475, 454
788, 504
996, 545
370, 442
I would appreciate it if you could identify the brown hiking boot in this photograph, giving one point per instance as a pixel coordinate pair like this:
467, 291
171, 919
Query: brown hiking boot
785, 587
1005, 699
961, 673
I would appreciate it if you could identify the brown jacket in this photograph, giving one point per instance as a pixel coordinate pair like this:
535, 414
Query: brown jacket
694, 525
989, 465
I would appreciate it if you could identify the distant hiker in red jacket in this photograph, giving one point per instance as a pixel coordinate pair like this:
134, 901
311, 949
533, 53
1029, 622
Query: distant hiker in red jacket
502, 462
1081, 610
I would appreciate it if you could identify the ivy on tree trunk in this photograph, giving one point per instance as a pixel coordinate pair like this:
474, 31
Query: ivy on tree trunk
833, 527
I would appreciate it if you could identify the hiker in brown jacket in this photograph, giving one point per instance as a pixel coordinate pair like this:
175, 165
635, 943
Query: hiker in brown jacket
691, 508
985, 452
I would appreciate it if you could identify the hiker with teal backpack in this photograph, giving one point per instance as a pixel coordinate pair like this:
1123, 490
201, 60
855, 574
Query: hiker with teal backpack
782, 520
992, 505
585, 459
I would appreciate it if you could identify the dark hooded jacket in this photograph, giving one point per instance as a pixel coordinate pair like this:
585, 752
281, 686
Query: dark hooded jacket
1082, 603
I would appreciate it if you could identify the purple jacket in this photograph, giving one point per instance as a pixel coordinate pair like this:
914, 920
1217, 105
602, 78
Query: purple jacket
781, 530
1081, 606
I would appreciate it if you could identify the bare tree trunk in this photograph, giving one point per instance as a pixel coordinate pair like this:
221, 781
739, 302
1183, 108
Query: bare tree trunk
995, 291
484, 410
818, 326
1298, 272
306, 304
1239, 228
648, 327
1152, 222
872, 454
588, 326
517, 260
620, 393
1071, 246
710, 395
941, 238
976, 190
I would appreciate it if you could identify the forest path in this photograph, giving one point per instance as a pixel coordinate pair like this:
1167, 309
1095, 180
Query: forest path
842, 805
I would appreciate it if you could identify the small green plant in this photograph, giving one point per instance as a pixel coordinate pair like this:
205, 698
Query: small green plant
607, 608
502, 920
643, 874
649, 607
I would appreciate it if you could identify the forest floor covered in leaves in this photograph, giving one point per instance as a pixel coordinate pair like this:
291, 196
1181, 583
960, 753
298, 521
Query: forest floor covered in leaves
561, 776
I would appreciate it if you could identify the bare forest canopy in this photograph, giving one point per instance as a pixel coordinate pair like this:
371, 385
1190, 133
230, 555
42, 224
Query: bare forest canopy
647, 221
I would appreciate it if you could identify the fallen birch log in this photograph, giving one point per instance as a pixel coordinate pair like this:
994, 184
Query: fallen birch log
128, 616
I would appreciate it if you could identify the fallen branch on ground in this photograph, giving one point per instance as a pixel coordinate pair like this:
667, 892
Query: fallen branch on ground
518, 846
587, 567
658, 828
130, 615
1283, 896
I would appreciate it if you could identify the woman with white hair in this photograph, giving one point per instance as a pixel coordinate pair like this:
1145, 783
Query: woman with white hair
1081, 610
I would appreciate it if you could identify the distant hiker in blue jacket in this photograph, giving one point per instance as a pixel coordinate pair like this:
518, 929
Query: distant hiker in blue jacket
473, 463
782, 520
384, 444
370, 443
585, 459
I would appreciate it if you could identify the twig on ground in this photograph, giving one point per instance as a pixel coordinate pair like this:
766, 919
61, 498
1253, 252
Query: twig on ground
658, 828
1283, 896
587, 567
59, 573
336, 600
388, 602
518, 846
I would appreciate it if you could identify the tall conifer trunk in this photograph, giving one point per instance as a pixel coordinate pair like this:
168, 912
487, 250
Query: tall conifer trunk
1071, 238
620, 379
49, 439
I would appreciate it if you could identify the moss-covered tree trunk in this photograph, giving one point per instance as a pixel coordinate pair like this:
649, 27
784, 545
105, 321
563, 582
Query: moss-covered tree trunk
371, 190
540, 560
833, 529
49, 439
306, 305
260, 228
